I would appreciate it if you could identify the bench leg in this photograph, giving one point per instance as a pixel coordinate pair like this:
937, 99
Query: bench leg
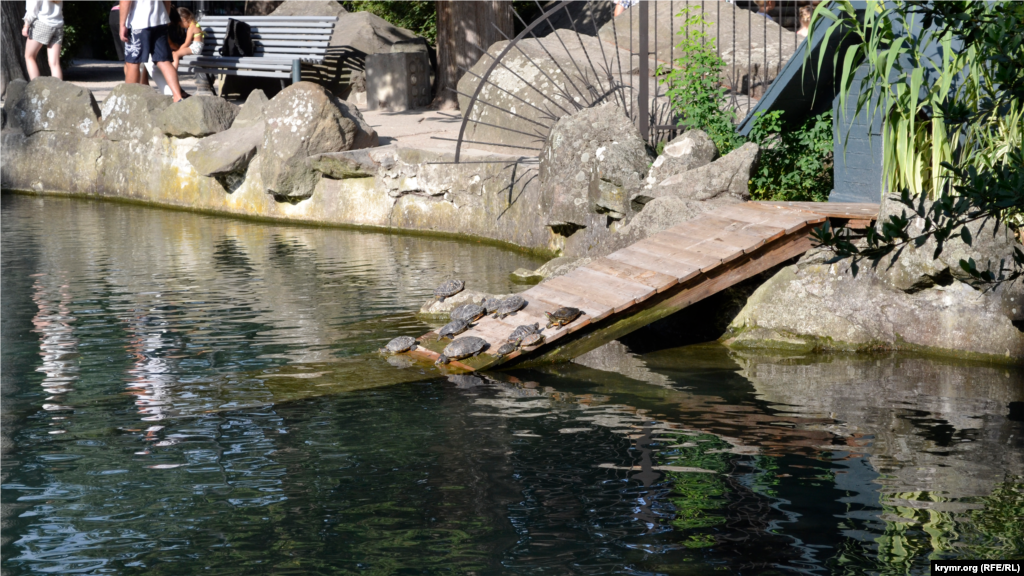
296, 71
284, 83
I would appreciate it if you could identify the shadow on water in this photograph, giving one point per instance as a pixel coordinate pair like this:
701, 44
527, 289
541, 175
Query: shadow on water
184, 394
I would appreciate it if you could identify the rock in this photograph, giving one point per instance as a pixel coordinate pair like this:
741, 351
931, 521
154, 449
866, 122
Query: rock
252, 111
814, 305
228, 152
356, 35
302, 121
48, 104
690, 150
197, 116
753, 47
729, 175
435, 311
665, 212
552, 87
348, 164
555, 267
592, 162
130, 111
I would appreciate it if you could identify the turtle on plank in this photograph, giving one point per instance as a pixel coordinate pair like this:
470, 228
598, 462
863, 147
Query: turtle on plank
491, 304
448, 288
532, 340
399, 345
453, 329
523, 331
509, 306
468, 312
507, 348
462, 348
562, 316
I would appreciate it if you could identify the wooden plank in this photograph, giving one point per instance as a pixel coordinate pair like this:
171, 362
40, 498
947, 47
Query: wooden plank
256, 20
625, 270
598, 294
704, 246
234, 72
636, 291
859, 210
273, 29
544, 291
681, 271
735, 238
699, 261
712, 221
792, 220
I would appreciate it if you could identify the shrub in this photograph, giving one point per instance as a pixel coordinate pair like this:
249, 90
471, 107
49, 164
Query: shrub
795, 164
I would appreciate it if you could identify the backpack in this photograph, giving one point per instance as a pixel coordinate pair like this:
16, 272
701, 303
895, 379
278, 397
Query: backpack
238, 40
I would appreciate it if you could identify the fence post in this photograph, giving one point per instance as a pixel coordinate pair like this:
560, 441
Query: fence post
643, 97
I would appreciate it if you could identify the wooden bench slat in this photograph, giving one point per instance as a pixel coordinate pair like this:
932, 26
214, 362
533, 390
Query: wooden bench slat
234, 72
325, 20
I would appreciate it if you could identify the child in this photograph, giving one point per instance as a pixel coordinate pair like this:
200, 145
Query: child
805, 20
44, 26
184, 35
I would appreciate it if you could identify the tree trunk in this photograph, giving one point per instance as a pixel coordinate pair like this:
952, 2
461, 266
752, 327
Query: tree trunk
12, 44
465, 30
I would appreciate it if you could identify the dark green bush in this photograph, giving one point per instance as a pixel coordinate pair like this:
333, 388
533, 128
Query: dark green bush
795, 164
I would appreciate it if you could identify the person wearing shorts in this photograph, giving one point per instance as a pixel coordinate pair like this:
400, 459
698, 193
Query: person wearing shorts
144, 31
44, 26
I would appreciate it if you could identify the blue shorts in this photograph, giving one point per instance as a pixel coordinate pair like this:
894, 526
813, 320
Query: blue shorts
145, 43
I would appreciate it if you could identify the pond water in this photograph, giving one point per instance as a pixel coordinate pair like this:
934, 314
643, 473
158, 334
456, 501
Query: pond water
186, 394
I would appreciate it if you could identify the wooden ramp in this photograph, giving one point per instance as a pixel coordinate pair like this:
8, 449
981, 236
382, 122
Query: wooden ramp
656, 277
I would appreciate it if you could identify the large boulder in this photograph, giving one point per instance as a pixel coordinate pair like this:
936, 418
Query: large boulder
816, 304
197, 116
692, 149
754, 48
130, 112
592, 163
48, 104
542, 80
302, 121
252, 110
228, 152
356, 35
688, 194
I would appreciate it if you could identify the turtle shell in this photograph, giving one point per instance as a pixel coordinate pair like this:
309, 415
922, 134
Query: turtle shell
491, 304
401, 344
506, 349
448, 288
563, 316
468, 312
465, 347
510, 305
533, 340
453, 328
523, 331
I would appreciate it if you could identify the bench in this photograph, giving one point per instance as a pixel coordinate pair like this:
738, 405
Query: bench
281, 44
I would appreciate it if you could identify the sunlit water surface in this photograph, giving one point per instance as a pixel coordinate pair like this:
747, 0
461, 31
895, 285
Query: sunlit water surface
186, 394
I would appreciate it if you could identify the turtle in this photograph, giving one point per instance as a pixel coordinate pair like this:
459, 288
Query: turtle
462, 348
453, 329
532, 340
399, 345
468, 312
562, 316
507, 348
523, 331
448, 288
510, 306
491, 304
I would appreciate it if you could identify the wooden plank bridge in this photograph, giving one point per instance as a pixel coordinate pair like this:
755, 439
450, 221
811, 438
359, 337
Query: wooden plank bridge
656, 277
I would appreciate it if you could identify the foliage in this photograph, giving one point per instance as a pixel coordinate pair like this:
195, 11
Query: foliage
418, 16
87, 23
952, 117
694, 88
795, 164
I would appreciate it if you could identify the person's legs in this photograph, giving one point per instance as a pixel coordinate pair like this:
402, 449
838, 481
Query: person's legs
31, 52
134, 54
161, 52
53, 54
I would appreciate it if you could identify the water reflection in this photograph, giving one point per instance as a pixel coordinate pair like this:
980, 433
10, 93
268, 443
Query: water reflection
221, 409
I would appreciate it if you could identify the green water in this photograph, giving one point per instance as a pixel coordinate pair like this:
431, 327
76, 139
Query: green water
186, 394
